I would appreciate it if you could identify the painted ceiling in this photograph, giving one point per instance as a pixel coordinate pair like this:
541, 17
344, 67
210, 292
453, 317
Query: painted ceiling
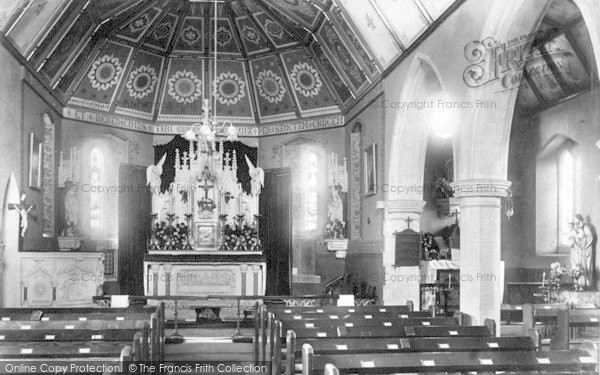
278, 60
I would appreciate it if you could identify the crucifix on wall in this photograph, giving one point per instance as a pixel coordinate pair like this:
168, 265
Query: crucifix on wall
23, 211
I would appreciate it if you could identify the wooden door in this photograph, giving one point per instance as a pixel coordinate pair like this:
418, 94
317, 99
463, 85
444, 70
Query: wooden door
135, 208
276, 229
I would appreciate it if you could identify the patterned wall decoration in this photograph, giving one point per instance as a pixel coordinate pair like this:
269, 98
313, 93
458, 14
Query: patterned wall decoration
49, 152
183, 91
191, 37
232, 92
333, 76
138, 97
227, 43
311, 93
160, 36
252, 38
98, 87
358, 49
339, 54
355, 183
373, 29
137, 27
301, 11
67, 46
273, 96
276, 33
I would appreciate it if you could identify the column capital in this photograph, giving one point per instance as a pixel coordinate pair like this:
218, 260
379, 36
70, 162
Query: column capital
489, 188
402, 206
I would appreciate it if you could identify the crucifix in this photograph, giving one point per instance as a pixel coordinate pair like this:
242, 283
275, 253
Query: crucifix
408, 221
23, 211
206, 203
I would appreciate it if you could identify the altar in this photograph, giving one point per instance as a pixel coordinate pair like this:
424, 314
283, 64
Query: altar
204, 236
204, 274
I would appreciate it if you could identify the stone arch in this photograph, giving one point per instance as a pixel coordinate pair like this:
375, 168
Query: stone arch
411, 131
483, 142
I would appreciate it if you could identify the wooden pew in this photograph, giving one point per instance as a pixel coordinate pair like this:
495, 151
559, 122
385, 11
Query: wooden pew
519, 361
568, 319
296, 337
280, 310
401, 345
144, 328
372, 322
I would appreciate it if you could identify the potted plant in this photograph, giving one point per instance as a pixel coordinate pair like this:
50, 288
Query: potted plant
335, 239
443, 193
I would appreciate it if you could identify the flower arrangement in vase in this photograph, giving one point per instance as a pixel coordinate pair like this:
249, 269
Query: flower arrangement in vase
169, 235
240, 237
576, 274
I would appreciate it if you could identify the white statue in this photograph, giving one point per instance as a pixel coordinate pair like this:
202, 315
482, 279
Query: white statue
581, 239
23, 214
257, 177
153, 174
71, 210
336, 206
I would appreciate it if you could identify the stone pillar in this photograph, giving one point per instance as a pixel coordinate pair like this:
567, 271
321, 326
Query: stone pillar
243, 271
400, 284
481, 269
154, 270
168, 278
255, 279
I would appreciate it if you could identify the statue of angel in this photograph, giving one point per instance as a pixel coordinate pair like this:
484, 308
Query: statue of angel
153, 173
257, 177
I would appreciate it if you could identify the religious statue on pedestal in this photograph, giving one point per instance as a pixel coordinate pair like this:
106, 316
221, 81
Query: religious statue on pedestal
581, 239
153, 174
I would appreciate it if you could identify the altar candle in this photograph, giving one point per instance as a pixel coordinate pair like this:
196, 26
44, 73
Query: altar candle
543, 279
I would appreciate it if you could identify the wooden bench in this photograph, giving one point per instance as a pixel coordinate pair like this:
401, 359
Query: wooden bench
280, 310
384, 322
481, 362
569, 319
136, 334
397, 345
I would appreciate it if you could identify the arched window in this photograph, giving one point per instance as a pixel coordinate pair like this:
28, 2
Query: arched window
556, 195
312, 192
96, 199
566, 194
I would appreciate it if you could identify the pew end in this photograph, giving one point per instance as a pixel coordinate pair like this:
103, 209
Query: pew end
276, 353
491, 325
308, 354
536, 337
410, 305
560, 340
126, 355
460, 317
290, 352
591, 348
330, 369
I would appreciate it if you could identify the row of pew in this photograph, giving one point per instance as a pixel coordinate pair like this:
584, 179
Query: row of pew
563, 319
393, 339
112, 336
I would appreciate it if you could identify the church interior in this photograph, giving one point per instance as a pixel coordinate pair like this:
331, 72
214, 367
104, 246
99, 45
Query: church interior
284, 186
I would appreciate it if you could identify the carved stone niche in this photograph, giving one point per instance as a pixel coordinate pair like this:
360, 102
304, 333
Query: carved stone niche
408, 248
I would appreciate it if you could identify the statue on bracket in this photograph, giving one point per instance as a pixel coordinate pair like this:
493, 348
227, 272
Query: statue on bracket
257, 177
581, 239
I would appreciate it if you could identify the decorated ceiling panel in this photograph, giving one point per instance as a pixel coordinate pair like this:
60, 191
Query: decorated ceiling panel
97, 89
139, 92
154, 59
183, 90
274, 100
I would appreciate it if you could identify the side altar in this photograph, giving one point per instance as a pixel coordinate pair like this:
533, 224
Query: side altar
204, 239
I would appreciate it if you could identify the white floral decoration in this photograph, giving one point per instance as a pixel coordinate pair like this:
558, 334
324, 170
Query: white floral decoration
232, 79
268, 77
133, 87
183, 94
105, 72
304, 69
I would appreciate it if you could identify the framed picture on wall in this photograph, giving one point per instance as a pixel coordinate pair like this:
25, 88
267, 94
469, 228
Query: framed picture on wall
370, 163
35, 162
